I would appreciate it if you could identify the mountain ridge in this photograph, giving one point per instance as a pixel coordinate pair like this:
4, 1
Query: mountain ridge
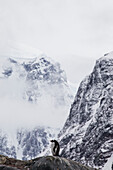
87, 135
36, 92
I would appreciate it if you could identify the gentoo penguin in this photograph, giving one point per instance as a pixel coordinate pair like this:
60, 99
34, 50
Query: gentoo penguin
55, 148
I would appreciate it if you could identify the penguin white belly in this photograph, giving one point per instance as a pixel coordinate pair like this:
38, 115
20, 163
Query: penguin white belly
53, 148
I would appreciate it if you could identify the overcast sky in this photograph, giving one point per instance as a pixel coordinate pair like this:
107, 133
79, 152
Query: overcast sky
73, 32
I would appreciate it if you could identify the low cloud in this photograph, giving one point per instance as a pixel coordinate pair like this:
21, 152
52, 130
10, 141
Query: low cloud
18, 113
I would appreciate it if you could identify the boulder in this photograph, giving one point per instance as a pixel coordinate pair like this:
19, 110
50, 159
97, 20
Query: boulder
56, 163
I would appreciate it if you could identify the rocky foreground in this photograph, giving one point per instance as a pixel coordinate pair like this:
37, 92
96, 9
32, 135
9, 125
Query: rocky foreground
41, 163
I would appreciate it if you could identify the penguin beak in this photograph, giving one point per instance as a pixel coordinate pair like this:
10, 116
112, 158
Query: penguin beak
51, 140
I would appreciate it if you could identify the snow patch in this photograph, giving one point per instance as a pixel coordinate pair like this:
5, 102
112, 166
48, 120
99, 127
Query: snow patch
107, 56
109, 163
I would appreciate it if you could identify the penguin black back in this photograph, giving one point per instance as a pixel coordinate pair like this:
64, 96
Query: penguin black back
55, 148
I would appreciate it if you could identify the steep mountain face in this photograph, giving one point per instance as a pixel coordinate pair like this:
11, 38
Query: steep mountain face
5, 148
34, 142
41, 76
87, 135
34, 92
26, 144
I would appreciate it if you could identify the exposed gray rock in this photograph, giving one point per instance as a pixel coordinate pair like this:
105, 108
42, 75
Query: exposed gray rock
41, 163
87, 135
3, 167
56, 163
7, 163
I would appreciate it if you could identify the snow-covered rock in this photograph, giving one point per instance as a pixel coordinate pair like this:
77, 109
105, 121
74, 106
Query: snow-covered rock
87, 135
34, 92
26, 144
40, 76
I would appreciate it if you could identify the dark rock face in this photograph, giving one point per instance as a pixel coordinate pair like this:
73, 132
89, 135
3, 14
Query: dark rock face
7, 72
87, 135
44, 70
54, 163
3, 167
41, 163
7, 163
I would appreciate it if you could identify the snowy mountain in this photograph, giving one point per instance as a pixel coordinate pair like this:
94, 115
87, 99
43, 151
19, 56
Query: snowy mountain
26, 144
34, 94
87, 135
40, 76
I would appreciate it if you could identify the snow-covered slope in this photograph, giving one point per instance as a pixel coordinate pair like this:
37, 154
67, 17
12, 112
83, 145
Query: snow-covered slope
34, 92
37, 76
87, 135
26, 143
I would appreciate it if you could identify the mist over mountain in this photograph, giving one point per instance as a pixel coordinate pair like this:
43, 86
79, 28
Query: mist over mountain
35, 100
35, 95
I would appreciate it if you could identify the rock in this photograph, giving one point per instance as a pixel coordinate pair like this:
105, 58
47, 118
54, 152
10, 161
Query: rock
41, 163
7, 163
56, 163
2, 159
3, 167
87, 135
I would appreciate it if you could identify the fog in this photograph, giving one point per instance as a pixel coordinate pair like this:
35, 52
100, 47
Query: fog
77, 30
16, 112
74, 33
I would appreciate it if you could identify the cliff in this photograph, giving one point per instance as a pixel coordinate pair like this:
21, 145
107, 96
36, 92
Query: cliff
87, 135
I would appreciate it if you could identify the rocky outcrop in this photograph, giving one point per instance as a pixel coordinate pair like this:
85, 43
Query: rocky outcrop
87, 135
41, 163
3, 167
7, 163
53, 163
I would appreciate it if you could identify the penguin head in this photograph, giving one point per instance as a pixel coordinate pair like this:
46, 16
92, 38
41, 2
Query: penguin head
52, 141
